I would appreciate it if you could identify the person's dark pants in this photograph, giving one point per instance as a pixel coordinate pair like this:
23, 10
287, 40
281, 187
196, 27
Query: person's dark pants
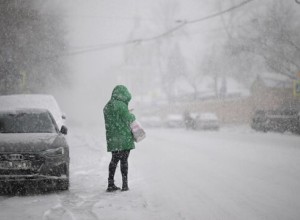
116, 157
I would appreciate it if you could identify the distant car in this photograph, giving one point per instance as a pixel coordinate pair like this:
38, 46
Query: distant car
279, 120
190, 120
174, 121
259, 121
34, 101
207, 121
33, 149
151, 121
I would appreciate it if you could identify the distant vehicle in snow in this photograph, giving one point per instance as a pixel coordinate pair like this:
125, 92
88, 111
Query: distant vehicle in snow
207, 121
34, 101
259, 121
279, 120
190, 120
151, 121
174, 121
32, 149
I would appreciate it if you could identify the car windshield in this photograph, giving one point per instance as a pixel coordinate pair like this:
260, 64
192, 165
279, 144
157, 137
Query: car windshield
22, 122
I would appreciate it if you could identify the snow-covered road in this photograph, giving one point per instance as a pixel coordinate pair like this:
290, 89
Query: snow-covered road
235, 173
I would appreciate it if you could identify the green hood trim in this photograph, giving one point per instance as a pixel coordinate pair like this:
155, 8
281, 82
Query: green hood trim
121, 93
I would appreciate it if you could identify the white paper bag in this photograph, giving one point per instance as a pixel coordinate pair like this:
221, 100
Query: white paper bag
137, 131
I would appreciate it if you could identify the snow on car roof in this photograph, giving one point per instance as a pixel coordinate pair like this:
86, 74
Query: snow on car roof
24, 110
31, 101
194, 115
208, 116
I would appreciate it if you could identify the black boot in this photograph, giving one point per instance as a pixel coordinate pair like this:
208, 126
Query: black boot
125, 184
112, 187
124, 170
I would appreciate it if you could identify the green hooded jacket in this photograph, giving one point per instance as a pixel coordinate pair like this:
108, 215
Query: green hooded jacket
118, 119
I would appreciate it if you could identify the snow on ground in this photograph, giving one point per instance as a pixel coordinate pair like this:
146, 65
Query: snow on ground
235, 173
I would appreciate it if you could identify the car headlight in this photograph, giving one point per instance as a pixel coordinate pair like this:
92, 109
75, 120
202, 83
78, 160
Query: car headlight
54, 152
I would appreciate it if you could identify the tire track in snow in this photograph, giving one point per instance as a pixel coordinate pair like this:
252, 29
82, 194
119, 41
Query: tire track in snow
77, 204
85, 154
87, 198
58, 212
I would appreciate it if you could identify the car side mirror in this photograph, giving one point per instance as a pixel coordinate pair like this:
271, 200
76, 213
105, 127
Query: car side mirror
64, 130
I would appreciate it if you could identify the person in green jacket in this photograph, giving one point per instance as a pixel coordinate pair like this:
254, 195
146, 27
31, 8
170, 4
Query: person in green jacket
118, 134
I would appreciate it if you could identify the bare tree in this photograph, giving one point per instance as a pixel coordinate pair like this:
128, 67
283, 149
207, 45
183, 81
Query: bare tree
273, 35
175, 71
169, 56
194, 75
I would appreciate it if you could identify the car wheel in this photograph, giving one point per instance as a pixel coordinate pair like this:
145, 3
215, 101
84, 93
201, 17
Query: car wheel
63, 184
3, 188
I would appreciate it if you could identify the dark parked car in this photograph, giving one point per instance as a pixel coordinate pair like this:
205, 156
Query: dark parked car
32, 148
280, 120
260, 121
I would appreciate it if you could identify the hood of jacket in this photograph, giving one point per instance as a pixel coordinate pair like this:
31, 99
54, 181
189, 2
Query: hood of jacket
121, 93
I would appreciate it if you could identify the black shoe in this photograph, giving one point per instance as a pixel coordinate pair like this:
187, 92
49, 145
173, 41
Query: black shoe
125, 188
112, 188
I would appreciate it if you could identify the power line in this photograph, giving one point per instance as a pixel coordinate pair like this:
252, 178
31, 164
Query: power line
184, 23
164, 34
119, 18
221, 12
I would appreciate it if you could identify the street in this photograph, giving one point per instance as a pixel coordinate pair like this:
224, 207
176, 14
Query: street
234, 173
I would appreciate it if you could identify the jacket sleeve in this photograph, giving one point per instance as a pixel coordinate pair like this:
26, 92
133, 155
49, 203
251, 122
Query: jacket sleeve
126, 116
